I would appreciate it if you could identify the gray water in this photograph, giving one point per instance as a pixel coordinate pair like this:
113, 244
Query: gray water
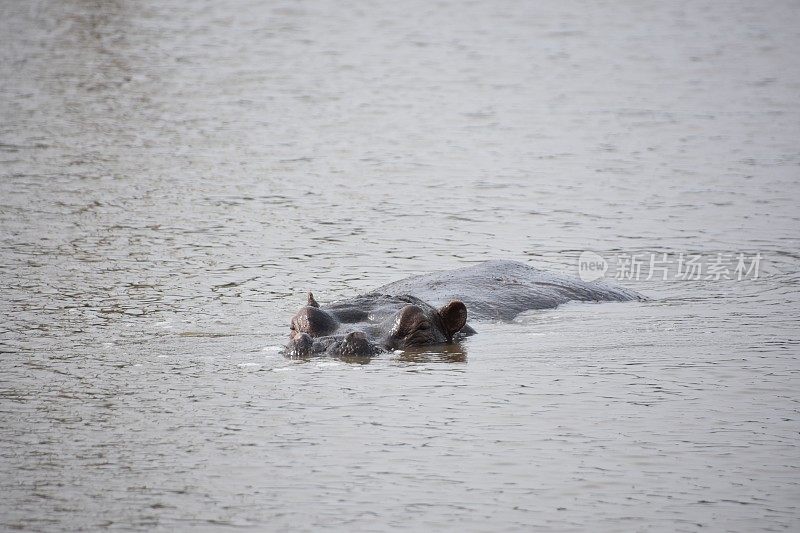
175, 175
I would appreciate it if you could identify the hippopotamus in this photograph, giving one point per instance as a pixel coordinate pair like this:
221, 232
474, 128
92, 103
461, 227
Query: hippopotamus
432, 309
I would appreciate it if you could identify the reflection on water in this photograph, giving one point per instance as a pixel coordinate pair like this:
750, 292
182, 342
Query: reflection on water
174, 177
449, 353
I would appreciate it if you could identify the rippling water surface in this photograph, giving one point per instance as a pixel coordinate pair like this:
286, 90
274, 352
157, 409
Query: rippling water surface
175, 175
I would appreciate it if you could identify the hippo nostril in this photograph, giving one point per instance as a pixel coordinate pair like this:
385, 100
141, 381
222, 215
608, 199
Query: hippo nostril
354, 336
354, 343
301, 344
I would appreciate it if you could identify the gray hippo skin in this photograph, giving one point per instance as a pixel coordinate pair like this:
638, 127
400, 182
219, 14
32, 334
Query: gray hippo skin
432, 308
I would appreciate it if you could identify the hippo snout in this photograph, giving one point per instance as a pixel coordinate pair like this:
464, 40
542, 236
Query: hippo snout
300, 345
355, 343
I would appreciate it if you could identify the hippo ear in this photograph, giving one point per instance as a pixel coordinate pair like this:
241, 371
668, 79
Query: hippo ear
454, 317
311, 301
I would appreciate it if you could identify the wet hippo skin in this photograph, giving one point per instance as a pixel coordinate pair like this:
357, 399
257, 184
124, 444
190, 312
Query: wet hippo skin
433, 308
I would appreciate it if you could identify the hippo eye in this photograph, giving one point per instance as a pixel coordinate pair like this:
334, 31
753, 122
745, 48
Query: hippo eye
291, 326
422, 327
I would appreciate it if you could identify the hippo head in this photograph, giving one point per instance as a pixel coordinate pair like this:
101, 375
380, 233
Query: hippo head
371, 324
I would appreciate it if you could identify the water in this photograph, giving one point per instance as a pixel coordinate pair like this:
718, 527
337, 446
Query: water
175, 176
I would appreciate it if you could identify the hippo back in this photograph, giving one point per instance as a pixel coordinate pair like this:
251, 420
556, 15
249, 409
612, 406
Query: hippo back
503, 289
